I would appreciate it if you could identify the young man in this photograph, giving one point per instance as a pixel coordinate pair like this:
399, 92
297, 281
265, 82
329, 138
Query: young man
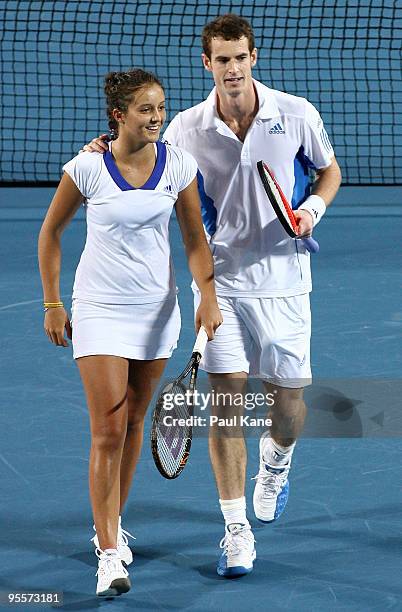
262, 276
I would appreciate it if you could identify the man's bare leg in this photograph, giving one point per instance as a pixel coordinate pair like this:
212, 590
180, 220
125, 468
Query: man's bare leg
229, 459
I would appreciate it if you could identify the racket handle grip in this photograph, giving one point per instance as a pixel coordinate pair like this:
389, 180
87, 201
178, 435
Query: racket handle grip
201, 342
311, 245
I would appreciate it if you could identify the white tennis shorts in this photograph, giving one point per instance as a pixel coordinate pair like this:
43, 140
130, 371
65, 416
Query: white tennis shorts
134, 331
265, 337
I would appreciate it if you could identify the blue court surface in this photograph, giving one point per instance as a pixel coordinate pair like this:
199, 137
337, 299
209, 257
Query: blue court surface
338, 546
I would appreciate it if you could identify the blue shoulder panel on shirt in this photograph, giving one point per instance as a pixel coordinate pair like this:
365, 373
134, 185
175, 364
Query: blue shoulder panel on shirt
208, 210
303, 169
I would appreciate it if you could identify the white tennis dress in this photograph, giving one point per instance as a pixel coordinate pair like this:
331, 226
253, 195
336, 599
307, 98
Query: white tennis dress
124, 295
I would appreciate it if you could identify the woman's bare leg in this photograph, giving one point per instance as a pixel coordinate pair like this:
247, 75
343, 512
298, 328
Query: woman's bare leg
105, 380
142, 379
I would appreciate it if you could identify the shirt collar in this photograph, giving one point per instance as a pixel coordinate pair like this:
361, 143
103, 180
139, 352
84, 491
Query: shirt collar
268, 107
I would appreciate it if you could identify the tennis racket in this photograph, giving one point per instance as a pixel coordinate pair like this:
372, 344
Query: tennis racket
171, 440
282, 207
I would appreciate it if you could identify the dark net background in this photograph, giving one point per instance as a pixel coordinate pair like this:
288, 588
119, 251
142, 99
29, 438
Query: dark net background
343, 55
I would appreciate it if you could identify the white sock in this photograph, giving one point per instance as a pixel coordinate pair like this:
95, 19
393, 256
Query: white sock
275, 454
234, 511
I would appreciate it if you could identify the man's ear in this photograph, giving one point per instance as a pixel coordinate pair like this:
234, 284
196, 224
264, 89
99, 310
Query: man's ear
253, 56
207, 62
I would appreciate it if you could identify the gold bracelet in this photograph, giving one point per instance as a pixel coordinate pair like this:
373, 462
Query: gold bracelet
47, 305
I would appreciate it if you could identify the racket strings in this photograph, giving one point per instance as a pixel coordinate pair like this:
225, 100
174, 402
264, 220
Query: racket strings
284, 208
173, 428
278, 200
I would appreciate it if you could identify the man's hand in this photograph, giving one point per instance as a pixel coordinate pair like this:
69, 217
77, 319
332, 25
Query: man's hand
304, 223
97, 145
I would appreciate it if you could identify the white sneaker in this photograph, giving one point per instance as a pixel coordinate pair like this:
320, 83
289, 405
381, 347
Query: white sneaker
122, 544
271, 489
112, 575
238, 551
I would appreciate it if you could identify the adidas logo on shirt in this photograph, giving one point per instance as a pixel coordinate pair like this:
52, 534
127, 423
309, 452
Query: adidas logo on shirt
277, 129
168, 188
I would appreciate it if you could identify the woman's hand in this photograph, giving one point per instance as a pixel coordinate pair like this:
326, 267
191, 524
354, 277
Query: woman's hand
56, 321
209, 316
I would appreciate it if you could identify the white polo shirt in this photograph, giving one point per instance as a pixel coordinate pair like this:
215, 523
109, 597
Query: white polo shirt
126, 259
252, 253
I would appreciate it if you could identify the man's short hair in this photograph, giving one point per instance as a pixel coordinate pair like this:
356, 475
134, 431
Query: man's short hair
228, 27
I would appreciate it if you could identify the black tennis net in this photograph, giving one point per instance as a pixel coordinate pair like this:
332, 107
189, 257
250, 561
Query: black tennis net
343, 55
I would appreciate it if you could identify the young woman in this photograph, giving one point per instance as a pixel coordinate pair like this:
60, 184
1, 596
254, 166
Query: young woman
125, 316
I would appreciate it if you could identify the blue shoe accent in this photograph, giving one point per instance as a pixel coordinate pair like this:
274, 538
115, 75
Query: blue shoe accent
271, 492
238, 545
231, 572
281, 502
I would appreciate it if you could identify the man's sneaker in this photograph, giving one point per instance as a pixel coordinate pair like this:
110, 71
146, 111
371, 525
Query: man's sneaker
238, 551
122, 544
112, 575
271, 489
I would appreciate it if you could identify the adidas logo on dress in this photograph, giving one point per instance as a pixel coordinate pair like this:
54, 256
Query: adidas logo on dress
277, 129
